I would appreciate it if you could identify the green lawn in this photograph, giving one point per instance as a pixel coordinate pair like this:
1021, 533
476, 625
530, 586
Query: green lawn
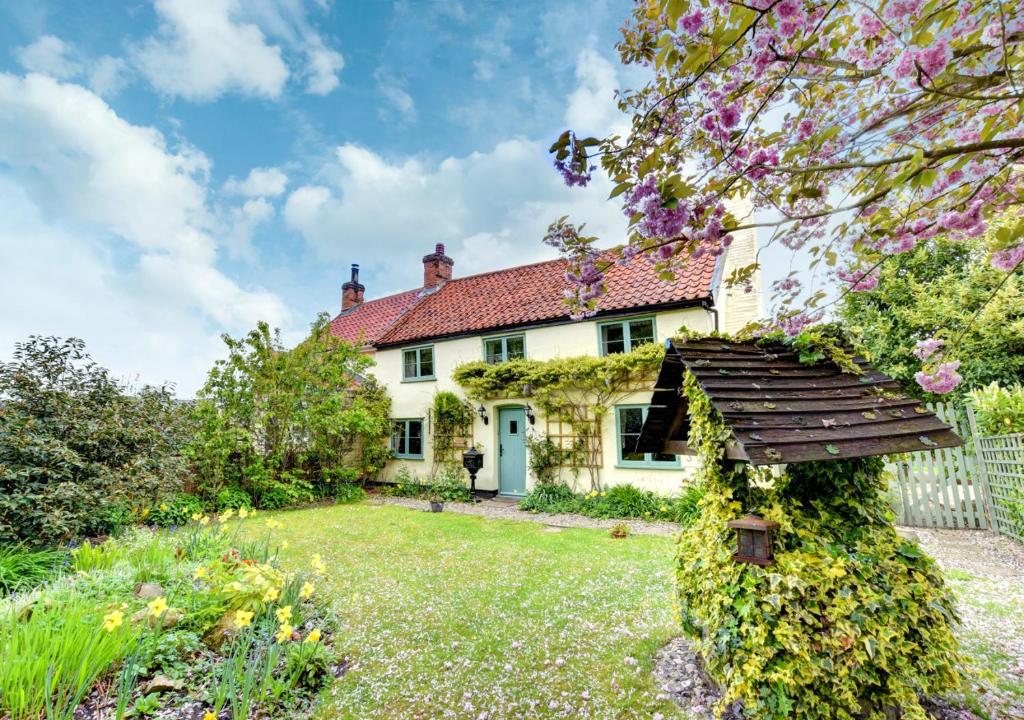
446, 615
459, 616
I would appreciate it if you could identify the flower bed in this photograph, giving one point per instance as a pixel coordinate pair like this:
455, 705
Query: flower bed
199, 622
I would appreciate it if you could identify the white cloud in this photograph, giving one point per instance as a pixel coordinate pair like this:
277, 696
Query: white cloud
490, 208
591, 109
206, 48
242, 224
260, 182
51, 56
324, 66
398, 100
141, 211
108, 76
202, 50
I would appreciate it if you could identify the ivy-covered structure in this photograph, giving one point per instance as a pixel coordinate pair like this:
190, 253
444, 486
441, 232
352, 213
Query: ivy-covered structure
840, 616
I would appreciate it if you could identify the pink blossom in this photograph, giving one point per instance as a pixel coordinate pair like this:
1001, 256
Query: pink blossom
730, 116
870, 25
1008, 260
944, 379
860, 280
926, 348
787, 9
933, 60
691, 24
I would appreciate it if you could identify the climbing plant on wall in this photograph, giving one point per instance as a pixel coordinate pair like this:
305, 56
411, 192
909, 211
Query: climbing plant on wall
580, 391
850, 621
452, 419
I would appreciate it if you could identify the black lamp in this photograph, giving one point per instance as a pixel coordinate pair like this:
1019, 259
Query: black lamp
529, 414
472, 460
482, 412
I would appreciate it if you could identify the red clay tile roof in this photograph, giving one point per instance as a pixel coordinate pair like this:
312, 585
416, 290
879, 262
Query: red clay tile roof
534, 293
368, 321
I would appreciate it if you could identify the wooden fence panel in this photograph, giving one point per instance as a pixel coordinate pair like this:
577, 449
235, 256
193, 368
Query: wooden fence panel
939, 488
1001, 465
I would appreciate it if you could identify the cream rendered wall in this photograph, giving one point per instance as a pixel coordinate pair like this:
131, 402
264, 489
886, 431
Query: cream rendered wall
738, 306
414, 399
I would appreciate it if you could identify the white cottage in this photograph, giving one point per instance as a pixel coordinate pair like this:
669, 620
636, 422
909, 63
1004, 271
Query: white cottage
419, 336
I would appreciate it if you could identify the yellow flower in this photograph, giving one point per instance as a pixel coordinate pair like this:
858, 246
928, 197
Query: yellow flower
233, 586
242, 513
196, 516
318, 564
314, 636
663, 509
284, 544
273, 524
226, 515
210, 716
243, 618
145, 512
284, 633
603, 494
113, 620
157, 607
307, 591
163, 506
200, 573
1006, 420
270, 595
204, 520
284, 614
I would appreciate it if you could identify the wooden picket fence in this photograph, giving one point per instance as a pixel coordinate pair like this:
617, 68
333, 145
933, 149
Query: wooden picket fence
940, 488
977, 486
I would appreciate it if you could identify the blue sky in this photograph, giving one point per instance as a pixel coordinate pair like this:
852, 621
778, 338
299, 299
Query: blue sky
174, 169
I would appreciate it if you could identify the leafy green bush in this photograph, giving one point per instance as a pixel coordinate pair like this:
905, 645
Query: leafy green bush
22, 568
233, 498
75, 443
447, 486
999, 410
346, 493
851, 619
619, 501
176, 510
282, 425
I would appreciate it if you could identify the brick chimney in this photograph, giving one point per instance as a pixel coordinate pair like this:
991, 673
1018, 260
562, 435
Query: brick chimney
352, 291
437, 268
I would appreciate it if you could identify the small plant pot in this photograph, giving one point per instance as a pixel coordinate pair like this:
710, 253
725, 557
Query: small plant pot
436, 506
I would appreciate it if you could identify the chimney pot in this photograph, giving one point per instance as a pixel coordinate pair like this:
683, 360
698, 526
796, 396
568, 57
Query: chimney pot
437, 268
352, 291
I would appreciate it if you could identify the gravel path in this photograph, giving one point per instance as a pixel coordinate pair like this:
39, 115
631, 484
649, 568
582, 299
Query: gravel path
507, 510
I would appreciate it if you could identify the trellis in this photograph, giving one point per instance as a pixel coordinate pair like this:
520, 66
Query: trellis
1001, 465
461, 439
562, 429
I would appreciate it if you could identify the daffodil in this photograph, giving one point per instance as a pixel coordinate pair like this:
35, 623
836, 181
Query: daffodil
210, 715
204, 520
314, 636
271, 594
284, 614
284, 633
307, 591
200, 573
242, 513
663, 509
157, 606
226, 515
284, 544
273, 524
113, 620
196, 516
163, 507
243, 618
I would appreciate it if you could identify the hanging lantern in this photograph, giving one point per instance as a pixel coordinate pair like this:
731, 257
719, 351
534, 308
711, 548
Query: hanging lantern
754, 539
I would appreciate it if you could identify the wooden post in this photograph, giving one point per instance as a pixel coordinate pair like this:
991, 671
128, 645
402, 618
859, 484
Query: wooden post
979, 463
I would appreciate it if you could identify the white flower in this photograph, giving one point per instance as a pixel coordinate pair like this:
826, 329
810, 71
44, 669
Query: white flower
631, 661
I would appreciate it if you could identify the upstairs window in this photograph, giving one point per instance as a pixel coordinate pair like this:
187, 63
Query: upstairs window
623, 336
502, 349
418, 364
407, 439
629, 420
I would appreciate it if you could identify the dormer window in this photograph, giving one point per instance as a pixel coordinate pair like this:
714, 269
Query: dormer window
502, 349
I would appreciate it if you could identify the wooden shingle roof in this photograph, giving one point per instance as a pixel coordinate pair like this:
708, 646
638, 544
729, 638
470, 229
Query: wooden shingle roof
781, 410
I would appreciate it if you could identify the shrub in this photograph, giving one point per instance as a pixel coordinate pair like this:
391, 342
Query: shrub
233, 498
23, 569
550, 498
999, 410
176, 510
620, 501
346, 493
75, 443
282, 424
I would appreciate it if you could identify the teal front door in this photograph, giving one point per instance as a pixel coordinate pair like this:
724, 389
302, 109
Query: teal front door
512, 451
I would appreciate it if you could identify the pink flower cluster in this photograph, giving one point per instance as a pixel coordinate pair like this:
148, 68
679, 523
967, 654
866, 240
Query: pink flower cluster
1008, 260
860, 280
926, 348
943, 379
660, 220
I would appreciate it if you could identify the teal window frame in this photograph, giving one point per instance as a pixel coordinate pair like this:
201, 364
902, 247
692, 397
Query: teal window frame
627, 341
504, 346
419, 377
647, 463
403, 423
